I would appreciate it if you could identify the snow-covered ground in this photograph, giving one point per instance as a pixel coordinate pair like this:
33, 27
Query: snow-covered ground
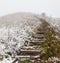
14, 30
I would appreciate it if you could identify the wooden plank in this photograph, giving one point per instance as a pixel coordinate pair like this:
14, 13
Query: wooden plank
29, 47
39, 37
36, 41
40, 32
30, 51
28, 56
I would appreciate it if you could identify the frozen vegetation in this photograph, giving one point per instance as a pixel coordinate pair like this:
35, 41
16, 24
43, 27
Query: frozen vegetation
15, 29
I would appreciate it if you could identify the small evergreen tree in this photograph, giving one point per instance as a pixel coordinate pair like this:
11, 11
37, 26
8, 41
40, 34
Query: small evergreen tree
51, 46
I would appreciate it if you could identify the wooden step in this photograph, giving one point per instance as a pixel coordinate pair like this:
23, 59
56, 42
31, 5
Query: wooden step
28, 56
28, 51
35, 43
38, 35
40, 32
18, 58
39, 39
29, 47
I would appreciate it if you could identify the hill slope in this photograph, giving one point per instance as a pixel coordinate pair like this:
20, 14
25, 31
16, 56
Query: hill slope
16, 28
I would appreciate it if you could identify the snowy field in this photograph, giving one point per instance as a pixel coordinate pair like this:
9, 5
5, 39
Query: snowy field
14, 30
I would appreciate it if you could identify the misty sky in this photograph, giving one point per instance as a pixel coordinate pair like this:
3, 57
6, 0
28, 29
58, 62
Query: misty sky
50, 7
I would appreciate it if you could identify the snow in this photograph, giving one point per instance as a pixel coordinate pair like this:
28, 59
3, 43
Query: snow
14, 30
8, 60
53, 59
11, 39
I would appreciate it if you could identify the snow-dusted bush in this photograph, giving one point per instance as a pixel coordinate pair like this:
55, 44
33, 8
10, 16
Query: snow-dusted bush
12, 38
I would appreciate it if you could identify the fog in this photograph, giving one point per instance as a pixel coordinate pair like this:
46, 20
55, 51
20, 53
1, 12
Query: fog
50, 7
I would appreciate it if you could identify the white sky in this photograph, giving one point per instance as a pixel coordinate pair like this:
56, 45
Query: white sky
50, 7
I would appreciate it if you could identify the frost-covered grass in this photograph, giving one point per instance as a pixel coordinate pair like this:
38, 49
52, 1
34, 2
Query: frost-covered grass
15, 29
11, 39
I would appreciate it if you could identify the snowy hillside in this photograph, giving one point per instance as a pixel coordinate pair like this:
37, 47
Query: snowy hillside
16, 28
54, 22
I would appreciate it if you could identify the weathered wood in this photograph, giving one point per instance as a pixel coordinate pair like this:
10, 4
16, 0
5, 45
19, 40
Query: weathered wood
33, 48
29, 47
29, 51
28, 56
36, 41
40, 32
39, 37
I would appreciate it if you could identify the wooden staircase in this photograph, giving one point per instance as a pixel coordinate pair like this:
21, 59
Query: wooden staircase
33, 49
